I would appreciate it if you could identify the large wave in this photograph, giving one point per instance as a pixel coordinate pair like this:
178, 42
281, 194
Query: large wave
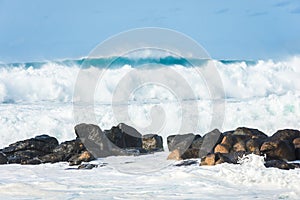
55, 81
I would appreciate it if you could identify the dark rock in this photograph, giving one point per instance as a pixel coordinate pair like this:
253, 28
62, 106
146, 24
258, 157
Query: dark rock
68, 149
253, 145
87, 166
152, 142
218, 158
280, 164
278, 150
209, 159
186, 163
3, 159
181, 142
197, 142
96, 141
210, 141
53, 158
43, 143
34, 161
297, 153
124, 136
23, 156
221, 148
296, 142
286, 134
183, 155
77, 159
253, 133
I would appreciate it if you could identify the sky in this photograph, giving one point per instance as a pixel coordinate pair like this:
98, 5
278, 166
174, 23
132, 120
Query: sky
34, 30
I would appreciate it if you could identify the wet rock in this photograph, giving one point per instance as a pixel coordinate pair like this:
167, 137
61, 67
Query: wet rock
221, 148
124, 136
296, 142
187, 154
197, 142
95, 140
186, 163
43, 143
52, 158
87, 166
210, 141
181, 142
286, 134
252, 133
239, 146
297, 153
34, 161
69, 149
209, 159
152, 142
77, 159
278, 150
280, 164
218, 158
22, 156
253, 145
3, 159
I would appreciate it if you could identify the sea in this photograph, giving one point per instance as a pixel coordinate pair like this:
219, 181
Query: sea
162, 95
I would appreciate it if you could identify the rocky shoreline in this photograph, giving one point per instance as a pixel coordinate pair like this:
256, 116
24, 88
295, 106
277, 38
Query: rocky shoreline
122, 140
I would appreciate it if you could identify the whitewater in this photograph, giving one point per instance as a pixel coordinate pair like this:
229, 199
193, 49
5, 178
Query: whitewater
38, 98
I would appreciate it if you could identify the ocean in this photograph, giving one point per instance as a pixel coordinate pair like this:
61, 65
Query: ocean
164, 95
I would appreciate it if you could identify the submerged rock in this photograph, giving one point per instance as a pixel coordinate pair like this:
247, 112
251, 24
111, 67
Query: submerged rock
280, 164
77, 159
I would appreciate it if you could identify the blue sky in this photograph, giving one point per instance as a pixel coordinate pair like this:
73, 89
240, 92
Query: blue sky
36, 30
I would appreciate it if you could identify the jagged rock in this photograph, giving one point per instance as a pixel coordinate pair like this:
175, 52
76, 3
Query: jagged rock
252, 133
34, 161
95, 140
278, 150
286, 134
152, 142
280, 164
187, 154
181, 142
253, 145
52, 158
210, 141
3, 159
221, 148
77, 159
43, 143
218, 158
124, 136
197, 142
296, 142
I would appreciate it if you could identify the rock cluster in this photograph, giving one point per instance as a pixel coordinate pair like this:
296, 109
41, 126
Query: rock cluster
121, 140
90, 142
215, 147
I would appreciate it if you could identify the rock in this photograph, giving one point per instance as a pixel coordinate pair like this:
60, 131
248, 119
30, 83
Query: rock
152, 142
239, 146
96, 141
3, 159
286, 134
297, 153
77, 159
24, 155
124, 136
253, 145
87, 166
221, 148
280, 164
175, 155
210, 141
34, 161
209, 159
278, 150
228, 141
181, 142
197, 142
43, 143
187, 154
252, 133
296, 142
186, 163
53, 158
68, 149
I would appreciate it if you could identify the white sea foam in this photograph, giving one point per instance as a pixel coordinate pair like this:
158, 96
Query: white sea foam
263, 95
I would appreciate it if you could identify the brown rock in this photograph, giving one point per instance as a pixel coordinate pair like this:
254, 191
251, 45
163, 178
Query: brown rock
253, 145
175, 155
239, 146
281, 150
221, 148
296, 142
228, 141
152, 142
210, 159
85, 156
